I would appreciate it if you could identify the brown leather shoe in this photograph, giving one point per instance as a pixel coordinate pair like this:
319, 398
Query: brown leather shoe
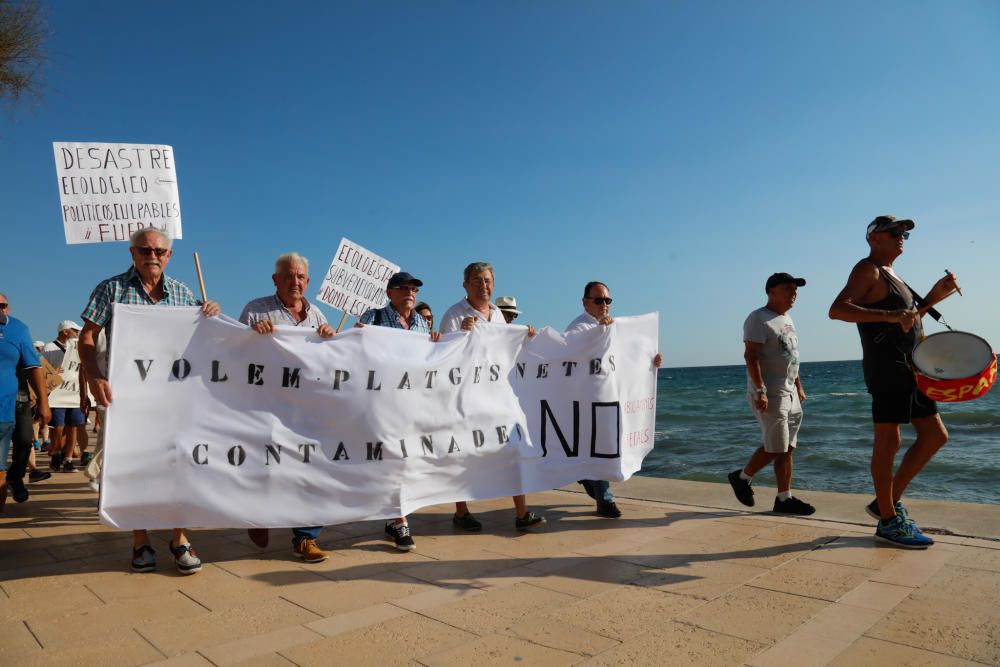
309, 552
259, 536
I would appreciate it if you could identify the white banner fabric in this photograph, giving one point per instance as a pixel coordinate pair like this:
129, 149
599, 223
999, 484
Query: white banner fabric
213, 425
356, 279
108, 191
67, 395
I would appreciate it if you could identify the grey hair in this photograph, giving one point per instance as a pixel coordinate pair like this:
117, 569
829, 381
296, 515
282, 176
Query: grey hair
290, 258
478, 267
139, 233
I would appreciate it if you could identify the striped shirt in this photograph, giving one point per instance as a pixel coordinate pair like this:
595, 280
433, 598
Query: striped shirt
388, 317
271, 308
127, 288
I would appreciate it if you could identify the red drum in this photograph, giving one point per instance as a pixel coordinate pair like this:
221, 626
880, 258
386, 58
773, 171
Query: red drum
952, 366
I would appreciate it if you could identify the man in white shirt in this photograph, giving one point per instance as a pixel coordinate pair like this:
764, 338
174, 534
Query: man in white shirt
597, 311
463, 316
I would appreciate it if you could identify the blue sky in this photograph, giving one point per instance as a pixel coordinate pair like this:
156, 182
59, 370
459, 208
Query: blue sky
678, 151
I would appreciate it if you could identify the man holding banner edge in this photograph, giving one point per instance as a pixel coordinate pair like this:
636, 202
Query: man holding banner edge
143, 283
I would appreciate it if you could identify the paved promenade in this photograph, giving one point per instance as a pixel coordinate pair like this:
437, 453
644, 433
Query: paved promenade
682, 579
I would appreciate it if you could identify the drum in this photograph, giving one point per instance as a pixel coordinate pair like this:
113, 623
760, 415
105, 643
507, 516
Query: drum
952, 366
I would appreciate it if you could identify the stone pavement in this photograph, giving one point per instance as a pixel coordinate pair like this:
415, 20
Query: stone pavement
666, 584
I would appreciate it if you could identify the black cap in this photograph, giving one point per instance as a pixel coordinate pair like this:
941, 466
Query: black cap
884, 222
403, 277
781, 279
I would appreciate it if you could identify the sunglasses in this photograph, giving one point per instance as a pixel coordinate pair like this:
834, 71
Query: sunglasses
897, 233
146, 251
3, 306
606, 300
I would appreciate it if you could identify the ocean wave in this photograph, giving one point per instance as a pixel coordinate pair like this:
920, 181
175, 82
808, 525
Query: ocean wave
847, 393
727, 391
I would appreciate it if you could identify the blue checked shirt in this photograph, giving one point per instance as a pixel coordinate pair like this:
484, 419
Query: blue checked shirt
388, 317
127, 288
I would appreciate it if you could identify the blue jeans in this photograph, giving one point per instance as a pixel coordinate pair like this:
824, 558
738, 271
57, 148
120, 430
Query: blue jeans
6, 431
599, 490
299, 534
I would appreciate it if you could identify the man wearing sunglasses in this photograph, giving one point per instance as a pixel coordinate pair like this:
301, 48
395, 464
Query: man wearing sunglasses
884, 308
144, 283
400, 313
597, 311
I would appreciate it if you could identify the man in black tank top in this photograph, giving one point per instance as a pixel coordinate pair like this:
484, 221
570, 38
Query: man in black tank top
889, 325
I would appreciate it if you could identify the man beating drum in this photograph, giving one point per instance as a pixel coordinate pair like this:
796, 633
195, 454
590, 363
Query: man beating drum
889, 324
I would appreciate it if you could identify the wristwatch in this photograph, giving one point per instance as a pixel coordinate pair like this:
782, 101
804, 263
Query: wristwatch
760, 391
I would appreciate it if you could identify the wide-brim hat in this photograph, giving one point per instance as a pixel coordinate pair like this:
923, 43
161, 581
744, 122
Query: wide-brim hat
507, 304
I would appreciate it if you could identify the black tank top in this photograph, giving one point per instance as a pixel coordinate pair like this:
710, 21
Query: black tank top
886, 349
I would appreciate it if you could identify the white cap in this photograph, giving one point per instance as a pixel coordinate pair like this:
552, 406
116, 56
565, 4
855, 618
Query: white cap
68, 324
39, 344
507, 303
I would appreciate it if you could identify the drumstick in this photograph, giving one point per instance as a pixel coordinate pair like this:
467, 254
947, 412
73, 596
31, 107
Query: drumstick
952, 276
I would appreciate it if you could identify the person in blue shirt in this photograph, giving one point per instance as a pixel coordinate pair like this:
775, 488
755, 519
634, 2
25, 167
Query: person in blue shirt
16, 350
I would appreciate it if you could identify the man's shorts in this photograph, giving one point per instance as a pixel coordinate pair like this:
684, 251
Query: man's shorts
901, 407
779, 426
68, 417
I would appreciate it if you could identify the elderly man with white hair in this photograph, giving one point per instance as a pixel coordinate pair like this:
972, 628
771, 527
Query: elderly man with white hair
144, 283
288, 306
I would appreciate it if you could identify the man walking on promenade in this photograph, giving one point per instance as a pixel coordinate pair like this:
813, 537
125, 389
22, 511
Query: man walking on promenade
478, 280
144, 283
69, 425
597, 312
889, 323
774, 390
17, 351
400, 313
288, 306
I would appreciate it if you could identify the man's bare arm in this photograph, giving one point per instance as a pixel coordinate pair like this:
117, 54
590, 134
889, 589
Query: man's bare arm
36, 378
846, 306
87, 346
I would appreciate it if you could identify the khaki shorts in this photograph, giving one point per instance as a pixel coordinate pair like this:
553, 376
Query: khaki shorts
779, 425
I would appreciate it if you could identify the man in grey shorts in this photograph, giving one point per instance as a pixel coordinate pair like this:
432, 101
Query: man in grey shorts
774, 390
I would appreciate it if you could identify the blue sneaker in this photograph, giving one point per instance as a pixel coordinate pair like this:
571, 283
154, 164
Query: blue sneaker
901, 532
872, 510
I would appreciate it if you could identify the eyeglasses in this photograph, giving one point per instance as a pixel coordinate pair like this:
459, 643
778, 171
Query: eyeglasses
897, 233
407, 288
605, 300
4, 306
146, 251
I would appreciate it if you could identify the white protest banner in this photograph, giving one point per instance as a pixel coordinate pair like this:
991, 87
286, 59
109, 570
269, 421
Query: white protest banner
244, 430
356, 279
67, 395
108, 191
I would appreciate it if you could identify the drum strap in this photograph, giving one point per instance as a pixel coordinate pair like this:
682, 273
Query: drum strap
921, 302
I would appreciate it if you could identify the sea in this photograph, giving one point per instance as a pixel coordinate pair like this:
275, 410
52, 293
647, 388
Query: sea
705, 429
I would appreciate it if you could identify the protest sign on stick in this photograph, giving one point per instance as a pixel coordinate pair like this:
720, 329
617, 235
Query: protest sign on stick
108, 191
356, 280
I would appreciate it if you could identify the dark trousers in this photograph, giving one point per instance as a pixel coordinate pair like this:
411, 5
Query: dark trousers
20, 444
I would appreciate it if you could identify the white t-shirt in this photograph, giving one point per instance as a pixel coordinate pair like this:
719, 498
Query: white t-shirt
452, 318
779, 353
585, 321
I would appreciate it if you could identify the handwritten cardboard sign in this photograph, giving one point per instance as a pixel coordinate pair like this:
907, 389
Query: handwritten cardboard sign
356, 279
108, 191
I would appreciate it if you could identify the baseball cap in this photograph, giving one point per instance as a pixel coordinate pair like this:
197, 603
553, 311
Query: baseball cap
68, 324
507, 303
781, 279
403, 277
884, 222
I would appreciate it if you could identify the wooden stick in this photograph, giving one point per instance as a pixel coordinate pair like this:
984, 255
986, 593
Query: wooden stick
343, 320
201, 281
